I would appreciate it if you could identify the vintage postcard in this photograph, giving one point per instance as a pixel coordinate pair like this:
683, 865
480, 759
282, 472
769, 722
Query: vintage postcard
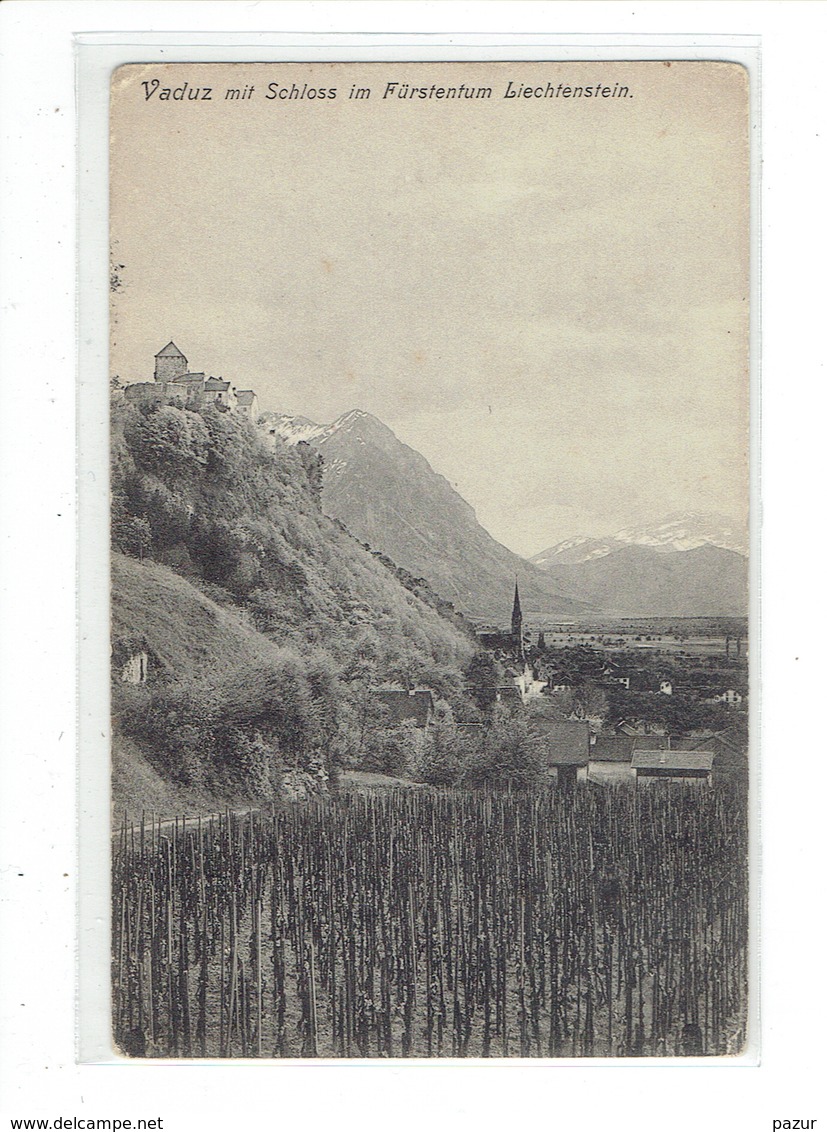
430, 558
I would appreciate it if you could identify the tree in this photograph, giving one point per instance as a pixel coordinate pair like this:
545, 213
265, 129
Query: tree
116, 280
482, 675
444, 757
131, 534
508, 756
590, 701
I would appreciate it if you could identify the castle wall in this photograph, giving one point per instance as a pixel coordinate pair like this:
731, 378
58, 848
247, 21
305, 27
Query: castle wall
144, 391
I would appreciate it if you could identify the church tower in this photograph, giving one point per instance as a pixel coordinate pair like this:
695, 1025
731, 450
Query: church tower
517, 620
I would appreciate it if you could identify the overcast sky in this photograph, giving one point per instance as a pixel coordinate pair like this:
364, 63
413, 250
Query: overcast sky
547, 297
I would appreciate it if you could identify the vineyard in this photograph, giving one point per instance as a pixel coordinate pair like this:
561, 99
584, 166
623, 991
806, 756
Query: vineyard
437, 923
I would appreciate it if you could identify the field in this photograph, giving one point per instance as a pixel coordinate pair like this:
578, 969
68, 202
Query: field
688, 636
681, 646
437, 923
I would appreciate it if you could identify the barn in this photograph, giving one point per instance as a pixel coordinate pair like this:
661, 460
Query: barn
610, 759
678, 766
566, 743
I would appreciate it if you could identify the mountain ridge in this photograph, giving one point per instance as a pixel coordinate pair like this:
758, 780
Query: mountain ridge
637, 581
676, 533
391, 498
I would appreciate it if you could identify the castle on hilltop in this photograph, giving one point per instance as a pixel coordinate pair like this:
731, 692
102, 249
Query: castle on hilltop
174, 382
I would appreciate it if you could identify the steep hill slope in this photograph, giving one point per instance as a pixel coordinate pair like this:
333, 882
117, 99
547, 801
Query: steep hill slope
186, 634
213, 501
266, 624
391, 498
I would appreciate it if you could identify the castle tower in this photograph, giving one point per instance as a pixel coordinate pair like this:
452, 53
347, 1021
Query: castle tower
517, 620
170, 363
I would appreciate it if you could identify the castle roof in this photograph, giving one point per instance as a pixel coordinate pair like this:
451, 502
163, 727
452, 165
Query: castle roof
244, 396
215, 384
170, 351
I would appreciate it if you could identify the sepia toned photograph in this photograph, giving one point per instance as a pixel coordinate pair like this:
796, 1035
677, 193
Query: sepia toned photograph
430, 484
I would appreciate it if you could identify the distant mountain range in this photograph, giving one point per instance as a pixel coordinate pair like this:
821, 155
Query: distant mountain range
388, 495
685, 531
691, 565
637, 581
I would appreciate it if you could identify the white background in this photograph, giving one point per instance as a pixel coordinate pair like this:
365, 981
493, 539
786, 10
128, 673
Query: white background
38, 1072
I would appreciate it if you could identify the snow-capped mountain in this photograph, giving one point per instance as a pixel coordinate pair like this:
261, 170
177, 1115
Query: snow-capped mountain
290, 428
679, 532
691, 564
575, 550
688, 531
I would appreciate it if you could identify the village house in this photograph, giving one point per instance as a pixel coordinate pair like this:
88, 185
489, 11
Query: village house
130, 660
566, 746
136, 668
639, 727
610, 760
401, 706
618, 758
654, 741
730, 748
731, 697
509, 694
613, 676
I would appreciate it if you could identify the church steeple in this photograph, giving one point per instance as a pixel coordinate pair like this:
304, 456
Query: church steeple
517, 618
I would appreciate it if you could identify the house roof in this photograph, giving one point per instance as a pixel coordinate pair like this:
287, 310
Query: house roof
170, 351
692, 743
723, 744
612, 749
732, 738
401, 705
509, 692
650, 742
566, 741
672, 760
